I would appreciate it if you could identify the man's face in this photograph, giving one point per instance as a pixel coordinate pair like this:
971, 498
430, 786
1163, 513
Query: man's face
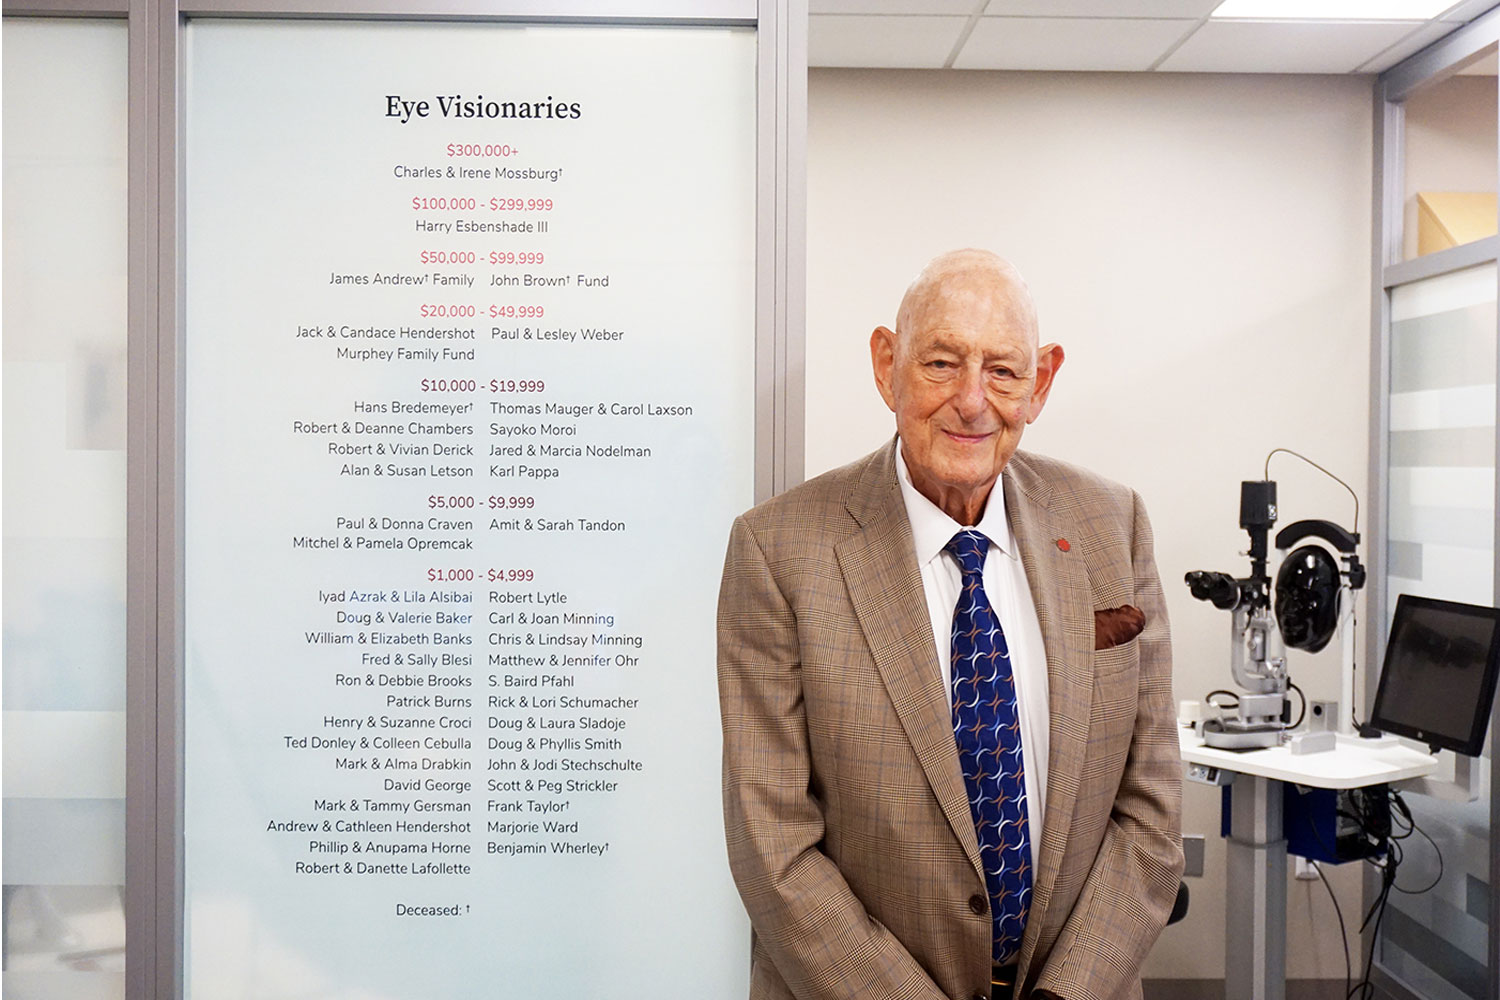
964, 377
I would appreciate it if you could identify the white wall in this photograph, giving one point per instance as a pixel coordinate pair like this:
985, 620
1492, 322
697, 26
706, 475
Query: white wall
1200, 245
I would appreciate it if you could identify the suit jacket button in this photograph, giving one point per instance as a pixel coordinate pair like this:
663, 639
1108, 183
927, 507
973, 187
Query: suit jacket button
977, 904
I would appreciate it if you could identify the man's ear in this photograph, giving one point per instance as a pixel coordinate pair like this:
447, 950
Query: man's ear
883, 361
1048, 360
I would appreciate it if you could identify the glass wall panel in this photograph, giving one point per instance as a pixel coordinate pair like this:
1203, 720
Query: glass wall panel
64, 348
344, 833
1450, 160
1441, 531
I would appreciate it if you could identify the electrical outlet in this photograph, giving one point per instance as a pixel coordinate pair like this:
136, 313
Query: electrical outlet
1307, 870
1192, 855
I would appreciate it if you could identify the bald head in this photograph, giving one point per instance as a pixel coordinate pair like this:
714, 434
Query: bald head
966, 278
964, 376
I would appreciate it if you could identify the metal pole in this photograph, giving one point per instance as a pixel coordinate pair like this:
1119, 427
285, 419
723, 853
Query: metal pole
1255, 927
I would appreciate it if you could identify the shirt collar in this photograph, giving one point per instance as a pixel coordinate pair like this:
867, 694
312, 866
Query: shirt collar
932, 529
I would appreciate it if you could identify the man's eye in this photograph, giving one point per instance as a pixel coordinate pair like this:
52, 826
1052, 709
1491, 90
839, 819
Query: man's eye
939, 364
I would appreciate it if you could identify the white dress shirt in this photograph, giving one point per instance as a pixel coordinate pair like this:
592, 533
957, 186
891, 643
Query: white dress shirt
1010, 597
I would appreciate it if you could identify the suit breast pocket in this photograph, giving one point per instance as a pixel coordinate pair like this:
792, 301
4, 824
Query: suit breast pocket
1116, 659
1116, 691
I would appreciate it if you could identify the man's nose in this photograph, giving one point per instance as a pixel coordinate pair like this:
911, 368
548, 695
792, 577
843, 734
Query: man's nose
969, 397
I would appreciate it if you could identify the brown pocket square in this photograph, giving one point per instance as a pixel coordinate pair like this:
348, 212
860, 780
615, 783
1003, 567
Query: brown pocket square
1117, 626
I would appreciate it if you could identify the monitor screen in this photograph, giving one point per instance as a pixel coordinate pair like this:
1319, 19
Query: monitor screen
1438, 682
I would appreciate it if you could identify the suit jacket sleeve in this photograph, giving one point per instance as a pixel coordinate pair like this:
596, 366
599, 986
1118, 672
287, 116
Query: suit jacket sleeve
807, 921
1128, 893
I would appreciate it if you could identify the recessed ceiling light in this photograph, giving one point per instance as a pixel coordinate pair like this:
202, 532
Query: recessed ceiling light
1334, 10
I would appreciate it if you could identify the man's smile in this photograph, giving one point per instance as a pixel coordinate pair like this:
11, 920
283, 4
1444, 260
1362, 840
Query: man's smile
969, 438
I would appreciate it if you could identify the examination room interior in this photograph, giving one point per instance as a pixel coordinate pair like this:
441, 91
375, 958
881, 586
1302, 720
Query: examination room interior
1201, 245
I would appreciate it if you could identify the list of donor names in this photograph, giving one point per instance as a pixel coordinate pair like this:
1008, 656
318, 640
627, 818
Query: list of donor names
479, 693
469, 375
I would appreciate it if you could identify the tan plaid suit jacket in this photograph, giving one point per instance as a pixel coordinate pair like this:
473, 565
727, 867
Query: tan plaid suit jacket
848, 825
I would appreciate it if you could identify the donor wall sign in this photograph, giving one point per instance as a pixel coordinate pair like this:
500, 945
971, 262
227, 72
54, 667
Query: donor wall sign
469, 408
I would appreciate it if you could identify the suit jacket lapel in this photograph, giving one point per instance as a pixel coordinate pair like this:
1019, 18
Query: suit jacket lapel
885, 587
1064, 605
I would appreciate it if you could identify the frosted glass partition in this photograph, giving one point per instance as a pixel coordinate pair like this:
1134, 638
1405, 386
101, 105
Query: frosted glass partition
1441, 544
64, 116
1442, 443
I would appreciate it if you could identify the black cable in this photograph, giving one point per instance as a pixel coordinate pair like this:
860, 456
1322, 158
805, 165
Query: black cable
1325, 472
1361, 812
1353, 619
1359, 818
1218, 691
1394, 855
1404, 813
1303, 713
1436, 879
1384, 821
1343, 933
1353, 663
1328, 851
1364, 989
1385, 868
1414, 828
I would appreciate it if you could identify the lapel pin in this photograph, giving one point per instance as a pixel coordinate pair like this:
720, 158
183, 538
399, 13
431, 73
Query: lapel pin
1062, 543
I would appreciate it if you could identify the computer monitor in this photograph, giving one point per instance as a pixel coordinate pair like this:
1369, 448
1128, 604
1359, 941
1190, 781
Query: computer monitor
1438, 682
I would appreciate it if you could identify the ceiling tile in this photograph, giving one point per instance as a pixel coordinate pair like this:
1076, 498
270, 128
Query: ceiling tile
1068, 43
1284, 46
881, 42
1103, 8
1330, 10
1423, 36
893, 6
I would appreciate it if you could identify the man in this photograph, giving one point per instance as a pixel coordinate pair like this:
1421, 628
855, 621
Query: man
855, 607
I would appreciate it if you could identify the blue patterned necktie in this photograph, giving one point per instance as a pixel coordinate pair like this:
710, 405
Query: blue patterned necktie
988, 729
